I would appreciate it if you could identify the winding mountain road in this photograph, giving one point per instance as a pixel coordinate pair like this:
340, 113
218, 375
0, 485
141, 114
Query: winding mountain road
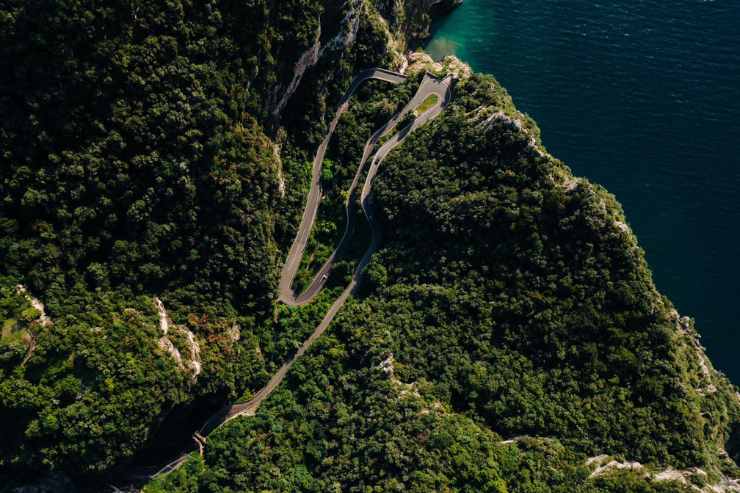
293, 261
429, 86
442, 88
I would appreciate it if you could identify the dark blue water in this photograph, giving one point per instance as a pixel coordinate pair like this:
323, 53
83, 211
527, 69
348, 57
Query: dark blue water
642, 97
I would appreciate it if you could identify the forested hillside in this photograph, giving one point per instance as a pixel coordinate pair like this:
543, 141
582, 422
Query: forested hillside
135, 165
154, 167
509, 350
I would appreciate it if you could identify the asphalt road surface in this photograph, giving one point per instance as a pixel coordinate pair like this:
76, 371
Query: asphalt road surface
293, 261
442, 88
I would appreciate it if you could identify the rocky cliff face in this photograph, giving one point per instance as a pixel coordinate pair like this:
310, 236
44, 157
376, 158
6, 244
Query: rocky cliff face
410, 20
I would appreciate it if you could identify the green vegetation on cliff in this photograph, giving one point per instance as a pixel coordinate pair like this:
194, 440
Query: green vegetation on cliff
521, 336
507, 330
136, 163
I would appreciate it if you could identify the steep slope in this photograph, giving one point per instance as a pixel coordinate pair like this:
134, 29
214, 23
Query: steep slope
520, 346
156, 159
144, 159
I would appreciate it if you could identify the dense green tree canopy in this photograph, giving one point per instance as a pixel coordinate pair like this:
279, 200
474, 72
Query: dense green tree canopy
154, 162
522, 336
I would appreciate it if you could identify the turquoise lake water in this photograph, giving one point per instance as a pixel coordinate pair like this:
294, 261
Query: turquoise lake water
643, 98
